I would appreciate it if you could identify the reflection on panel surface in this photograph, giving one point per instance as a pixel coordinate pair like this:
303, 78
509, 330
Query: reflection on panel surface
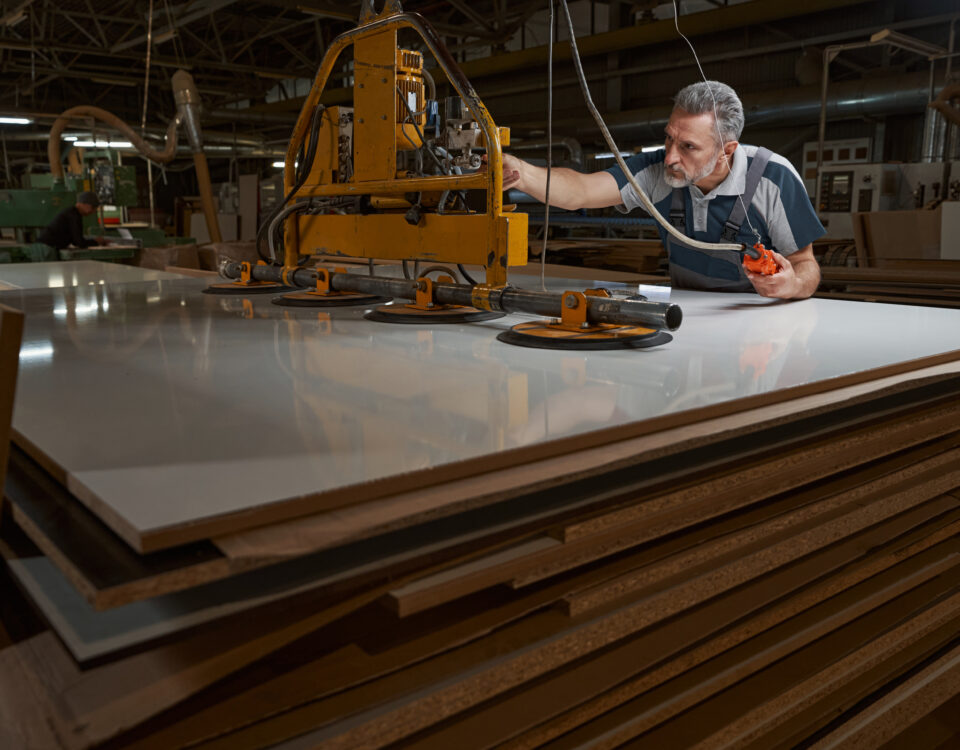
150, 390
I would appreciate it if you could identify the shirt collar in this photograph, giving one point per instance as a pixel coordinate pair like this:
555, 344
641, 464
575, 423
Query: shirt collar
735, 182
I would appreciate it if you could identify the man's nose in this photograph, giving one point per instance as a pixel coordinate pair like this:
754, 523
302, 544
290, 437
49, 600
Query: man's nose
672, 155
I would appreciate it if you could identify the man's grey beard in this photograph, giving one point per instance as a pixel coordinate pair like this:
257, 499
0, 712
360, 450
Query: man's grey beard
682, 182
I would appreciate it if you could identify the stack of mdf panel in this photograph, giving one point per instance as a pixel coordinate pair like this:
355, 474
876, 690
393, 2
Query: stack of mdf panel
928, 283
776, 576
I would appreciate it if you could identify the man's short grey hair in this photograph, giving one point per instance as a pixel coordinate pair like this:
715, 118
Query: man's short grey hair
701, 98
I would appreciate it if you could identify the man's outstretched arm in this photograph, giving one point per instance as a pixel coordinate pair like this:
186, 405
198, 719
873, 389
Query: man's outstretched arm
569, 189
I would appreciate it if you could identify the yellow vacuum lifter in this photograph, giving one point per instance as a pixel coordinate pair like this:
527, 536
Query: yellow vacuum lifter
362, 182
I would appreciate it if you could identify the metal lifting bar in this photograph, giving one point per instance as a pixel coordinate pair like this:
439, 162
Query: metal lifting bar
611, 310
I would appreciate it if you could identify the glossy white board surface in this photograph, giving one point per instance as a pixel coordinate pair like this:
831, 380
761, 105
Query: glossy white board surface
74, 273
171, 407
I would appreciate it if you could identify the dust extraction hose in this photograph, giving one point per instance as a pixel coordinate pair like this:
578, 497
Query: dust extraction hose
53, 144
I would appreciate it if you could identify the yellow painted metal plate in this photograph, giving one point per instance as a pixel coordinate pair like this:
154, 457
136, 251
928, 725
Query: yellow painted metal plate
448, 238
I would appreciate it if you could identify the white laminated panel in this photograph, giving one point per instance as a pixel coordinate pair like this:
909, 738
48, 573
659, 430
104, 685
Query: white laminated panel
73, 273
176, 415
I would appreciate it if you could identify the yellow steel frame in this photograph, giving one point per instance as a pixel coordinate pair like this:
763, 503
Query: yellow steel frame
495, 239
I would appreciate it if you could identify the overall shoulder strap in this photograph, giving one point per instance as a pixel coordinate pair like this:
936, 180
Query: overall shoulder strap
678, 211
760, 160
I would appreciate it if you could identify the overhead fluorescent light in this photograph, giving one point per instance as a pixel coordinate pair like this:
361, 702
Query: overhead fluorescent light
70, 138
103, 144
279, 164
648, 149
609, 154
15, 120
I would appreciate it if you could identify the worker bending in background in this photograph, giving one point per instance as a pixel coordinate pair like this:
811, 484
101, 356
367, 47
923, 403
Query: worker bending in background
67, 228
712, 188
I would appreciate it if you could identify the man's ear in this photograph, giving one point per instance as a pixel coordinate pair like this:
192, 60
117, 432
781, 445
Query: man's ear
729, 147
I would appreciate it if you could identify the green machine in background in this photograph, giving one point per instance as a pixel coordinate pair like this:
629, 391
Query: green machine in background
28, 210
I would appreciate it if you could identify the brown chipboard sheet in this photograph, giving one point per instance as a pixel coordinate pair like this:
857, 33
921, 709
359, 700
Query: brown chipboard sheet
318, 386
110, 574
818, 455
93, 636
74, 708
930, 480
324, 530
328, 736
129, 577
107, 699
721, 709
432, 690
891, 298
919, 275
939, 623
839, 707
542, 557
842, 570
640, 664
684, 508
785, 682
900, 709
315, 679
45, 696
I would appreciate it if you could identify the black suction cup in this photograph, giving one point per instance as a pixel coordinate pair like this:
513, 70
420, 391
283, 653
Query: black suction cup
243, 289
409, 315
543, 335
312, 299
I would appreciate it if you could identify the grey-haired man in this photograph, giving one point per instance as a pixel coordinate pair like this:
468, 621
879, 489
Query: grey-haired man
713, 188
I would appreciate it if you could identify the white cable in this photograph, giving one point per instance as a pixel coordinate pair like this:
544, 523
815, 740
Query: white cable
716, 112
546, 197
644, 198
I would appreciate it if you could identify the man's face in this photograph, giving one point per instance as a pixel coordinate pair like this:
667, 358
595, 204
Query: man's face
85, 209
692, 149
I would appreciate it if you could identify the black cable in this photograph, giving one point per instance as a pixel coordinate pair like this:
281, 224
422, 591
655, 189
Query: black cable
300, 174
466, 276
430, 269
423, 141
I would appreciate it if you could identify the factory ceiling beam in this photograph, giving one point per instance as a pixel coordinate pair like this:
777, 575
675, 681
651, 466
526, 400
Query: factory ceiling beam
705, 22
866, 97
181, 15
472, 14
630, 37
16, 14
163, 61
767, 49
96, 22
329, 10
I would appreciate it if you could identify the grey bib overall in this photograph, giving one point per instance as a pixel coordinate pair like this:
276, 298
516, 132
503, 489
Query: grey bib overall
718, 270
